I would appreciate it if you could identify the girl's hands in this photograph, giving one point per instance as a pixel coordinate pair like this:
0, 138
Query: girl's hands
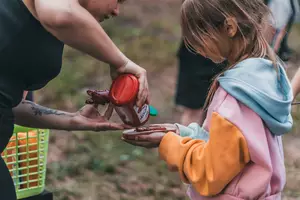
148, 136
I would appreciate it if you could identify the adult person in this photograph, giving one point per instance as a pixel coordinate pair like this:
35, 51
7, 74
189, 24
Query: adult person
285, 52
195, 76
282, 14
32, 37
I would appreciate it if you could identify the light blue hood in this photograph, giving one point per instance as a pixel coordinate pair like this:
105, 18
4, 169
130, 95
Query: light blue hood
256, 83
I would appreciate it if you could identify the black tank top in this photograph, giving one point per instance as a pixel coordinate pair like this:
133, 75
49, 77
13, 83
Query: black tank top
29, 55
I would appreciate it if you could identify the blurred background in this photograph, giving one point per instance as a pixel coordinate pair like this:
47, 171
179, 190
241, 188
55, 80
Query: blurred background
90, 166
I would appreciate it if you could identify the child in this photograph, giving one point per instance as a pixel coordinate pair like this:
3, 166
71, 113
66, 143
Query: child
238, 152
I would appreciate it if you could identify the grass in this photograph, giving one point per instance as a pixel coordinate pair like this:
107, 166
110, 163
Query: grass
118, 171
90, 166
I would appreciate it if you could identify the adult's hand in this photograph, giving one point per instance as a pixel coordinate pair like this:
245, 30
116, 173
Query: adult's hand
89, 118
132, 68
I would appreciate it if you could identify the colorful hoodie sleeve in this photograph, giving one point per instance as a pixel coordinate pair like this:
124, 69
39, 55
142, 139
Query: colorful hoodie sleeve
208, 166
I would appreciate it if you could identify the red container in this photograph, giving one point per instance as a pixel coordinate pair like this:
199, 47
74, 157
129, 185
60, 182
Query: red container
123, 94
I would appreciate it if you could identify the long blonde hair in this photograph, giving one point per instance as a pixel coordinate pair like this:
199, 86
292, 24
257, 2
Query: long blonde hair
201, 19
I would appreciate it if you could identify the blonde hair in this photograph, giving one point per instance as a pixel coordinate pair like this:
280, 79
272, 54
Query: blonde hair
202, 19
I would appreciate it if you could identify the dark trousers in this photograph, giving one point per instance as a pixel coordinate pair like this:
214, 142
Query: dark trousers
284, 44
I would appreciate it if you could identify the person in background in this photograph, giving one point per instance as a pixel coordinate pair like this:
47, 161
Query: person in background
282, 17
296, 83
195, 76
285, 52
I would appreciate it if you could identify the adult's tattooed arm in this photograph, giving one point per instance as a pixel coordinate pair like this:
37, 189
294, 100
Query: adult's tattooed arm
30, 114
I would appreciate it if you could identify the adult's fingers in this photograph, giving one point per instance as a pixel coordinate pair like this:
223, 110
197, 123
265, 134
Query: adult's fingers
90, 92
89, 101
105, 126
109, 111
143, 91
126, 126
95, 105
148, 91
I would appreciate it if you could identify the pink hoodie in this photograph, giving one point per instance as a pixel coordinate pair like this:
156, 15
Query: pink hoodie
264, 176
238, 152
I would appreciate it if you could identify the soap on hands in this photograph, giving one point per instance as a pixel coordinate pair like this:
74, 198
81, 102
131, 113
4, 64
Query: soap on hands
148, 136
98, 97
125, 107
132, 134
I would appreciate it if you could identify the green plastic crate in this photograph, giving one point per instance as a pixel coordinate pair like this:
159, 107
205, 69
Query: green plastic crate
26, 158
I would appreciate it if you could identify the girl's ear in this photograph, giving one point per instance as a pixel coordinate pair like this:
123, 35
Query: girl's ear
230, 26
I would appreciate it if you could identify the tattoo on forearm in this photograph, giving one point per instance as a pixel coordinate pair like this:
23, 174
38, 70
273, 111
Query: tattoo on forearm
40, 110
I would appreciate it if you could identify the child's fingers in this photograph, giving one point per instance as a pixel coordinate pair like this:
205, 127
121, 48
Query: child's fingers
140, 143
153, 137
